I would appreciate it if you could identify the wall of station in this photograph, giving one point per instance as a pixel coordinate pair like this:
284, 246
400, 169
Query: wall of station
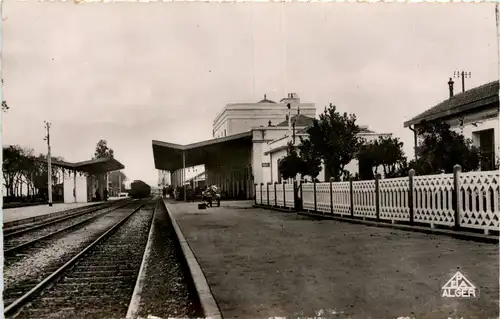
81, 187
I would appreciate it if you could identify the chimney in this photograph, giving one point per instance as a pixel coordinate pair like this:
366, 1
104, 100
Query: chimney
450, 84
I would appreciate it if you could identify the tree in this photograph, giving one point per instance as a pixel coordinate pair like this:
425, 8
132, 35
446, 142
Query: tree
102, 150
39, 171
334, 138
307, 163
440, 149
21, 168
386, 152
11, 166
391, 154
291, 164
368, 158
310, 159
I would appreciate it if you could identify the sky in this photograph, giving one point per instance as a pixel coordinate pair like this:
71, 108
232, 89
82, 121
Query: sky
131, 73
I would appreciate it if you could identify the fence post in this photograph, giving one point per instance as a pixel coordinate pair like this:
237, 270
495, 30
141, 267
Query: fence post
411, 174
315, 201
284, 193
275, 197
261, 202
255, 188
377, 199
295, 195
351, 191
457, 169
267, 188
331, 197
302, 182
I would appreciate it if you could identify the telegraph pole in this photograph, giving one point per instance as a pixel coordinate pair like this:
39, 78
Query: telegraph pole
289, 119
463, 75
49, 163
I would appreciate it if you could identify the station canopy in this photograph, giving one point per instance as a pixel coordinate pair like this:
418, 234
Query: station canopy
93, 166
169, 156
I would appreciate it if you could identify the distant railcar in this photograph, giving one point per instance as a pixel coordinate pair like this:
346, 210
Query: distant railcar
139, 189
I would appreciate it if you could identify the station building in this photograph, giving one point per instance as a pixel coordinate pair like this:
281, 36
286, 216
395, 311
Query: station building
242, 117
249, 140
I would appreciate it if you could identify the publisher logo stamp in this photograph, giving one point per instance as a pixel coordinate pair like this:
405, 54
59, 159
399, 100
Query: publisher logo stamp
459, 287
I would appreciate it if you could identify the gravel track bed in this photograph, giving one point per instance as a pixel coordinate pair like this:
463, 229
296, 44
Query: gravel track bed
22, 275
44, 231
100, 285
168, 291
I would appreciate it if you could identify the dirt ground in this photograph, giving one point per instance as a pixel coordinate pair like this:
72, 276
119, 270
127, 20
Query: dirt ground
261, 263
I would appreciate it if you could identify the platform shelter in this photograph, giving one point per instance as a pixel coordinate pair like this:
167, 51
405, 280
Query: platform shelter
227, 160
83, 180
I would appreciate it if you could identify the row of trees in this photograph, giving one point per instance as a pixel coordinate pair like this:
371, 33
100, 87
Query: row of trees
334, 141
26, 173
23, 170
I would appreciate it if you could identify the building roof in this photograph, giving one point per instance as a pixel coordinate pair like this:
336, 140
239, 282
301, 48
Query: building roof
300, 120
169, 156
93, 166
265, 100
480, 96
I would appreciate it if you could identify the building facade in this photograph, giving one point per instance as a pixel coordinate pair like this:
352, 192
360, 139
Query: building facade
242, 117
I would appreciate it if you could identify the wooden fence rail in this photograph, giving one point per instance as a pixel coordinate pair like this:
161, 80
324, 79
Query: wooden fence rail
465, 201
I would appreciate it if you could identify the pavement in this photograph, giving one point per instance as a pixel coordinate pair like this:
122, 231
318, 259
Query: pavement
18, 213
261, 263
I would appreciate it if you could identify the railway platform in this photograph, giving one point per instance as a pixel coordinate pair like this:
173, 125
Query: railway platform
261, 263
27, 214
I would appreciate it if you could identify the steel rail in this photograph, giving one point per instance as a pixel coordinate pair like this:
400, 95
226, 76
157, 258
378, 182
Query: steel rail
13, 250
133, 308
57, 220
21, 301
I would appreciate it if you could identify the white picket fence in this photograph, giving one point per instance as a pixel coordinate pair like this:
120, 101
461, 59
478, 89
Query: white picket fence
280, 195
431, 199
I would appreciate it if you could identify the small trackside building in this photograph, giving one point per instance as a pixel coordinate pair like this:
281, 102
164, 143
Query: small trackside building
473, 113
83, 179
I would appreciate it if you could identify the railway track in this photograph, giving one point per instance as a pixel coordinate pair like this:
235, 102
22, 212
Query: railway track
14, 260
17, 243
58, 216
99, 281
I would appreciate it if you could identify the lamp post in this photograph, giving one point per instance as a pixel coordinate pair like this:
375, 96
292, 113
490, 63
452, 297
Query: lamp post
49, 162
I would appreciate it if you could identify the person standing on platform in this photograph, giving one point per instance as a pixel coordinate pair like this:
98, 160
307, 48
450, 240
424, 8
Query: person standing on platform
105, 194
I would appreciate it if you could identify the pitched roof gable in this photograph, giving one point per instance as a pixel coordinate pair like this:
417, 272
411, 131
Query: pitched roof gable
470, 99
